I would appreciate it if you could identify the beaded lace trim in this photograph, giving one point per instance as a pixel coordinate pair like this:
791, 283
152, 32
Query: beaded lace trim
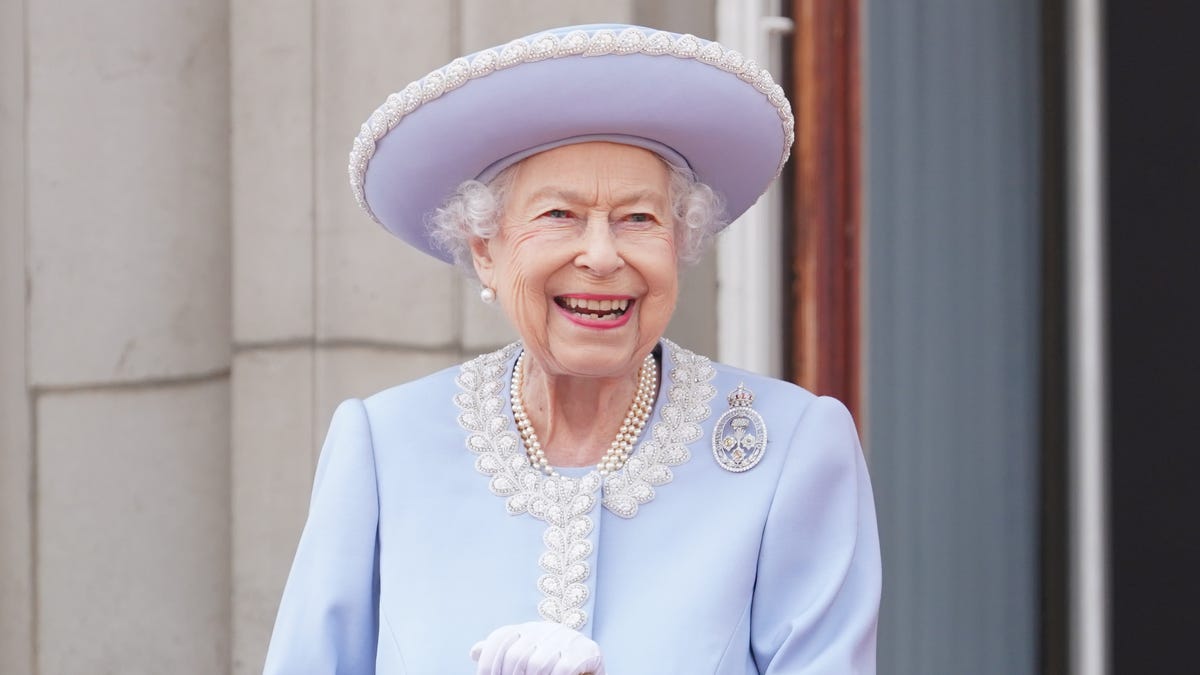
549, 46
565, 503
679, 425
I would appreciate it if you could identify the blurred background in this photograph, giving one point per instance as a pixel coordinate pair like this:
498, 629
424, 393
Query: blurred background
984, 244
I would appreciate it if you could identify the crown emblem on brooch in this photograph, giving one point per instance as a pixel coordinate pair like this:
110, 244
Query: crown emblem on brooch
740, 397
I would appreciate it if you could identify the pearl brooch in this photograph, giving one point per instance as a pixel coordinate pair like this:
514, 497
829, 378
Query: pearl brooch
627, 436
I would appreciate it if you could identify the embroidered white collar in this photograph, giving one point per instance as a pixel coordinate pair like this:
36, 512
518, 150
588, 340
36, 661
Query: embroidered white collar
565, 503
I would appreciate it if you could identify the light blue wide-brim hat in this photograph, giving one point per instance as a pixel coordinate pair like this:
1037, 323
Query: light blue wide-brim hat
692, 101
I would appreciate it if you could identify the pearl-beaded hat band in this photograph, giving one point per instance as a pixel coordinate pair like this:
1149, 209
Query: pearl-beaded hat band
692, 101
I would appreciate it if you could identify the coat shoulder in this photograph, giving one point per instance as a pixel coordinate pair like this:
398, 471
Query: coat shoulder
418, 394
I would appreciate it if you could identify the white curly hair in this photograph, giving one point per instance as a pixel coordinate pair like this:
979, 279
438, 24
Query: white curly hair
475, 210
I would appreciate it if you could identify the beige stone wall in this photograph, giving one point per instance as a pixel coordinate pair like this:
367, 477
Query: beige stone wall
116, 338
16, 452
187, 290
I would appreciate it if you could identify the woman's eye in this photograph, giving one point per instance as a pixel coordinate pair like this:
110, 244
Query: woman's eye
557, 213
640, 218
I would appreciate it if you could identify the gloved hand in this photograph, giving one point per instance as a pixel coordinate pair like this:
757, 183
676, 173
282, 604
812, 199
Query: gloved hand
537, 648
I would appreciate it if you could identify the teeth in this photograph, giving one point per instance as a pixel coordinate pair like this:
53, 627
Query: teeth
618, 305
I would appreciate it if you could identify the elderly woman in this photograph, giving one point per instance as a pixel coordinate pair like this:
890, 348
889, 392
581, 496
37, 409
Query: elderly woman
593, 498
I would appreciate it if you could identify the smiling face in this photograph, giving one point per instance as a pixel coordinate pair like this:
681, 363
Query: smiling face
584, 263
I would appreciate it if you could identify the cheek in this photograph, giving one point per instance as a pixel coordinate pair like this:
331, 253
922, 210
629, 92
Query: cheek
660, 260
521, 283
660, 270
664, 292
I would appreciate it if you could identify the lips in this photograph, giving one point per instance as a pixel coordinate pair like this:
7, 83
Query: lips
600, 308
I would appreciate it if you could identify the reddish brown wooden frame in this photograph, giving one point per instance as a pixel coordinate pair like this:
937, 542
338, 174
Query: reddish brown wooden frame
827, 196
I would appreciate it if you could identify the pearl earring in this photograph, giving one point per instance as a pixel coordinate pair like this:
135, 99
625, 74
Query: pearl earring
487, 295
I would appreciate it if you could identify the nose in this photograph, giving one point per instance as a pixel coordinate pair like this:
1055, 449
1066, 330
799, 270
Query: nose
598, 248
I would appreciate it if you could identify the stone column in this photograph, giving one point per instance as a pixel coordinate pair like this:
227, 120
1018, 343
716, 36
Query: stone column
272, 217
326, 304
126, 218
16, 456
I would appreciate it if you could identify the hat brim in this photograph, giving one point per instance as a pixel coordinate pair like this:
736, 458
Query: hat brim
722, 117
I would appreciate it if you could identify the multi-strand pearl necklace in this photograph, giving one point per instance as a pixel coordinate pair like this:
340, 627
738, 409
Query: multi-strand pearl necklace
620, 449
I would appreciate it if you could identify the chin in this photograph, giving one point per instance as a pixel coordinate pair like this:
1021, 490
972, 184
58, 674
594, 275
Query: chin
597, 360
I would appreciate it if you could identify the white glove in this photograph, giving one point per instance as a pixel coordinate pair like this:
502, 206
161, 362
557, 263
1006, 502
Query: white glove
537, 648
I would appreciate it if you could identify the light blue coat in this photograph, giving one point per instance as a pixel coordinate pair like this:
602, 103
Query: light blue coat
428, 529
